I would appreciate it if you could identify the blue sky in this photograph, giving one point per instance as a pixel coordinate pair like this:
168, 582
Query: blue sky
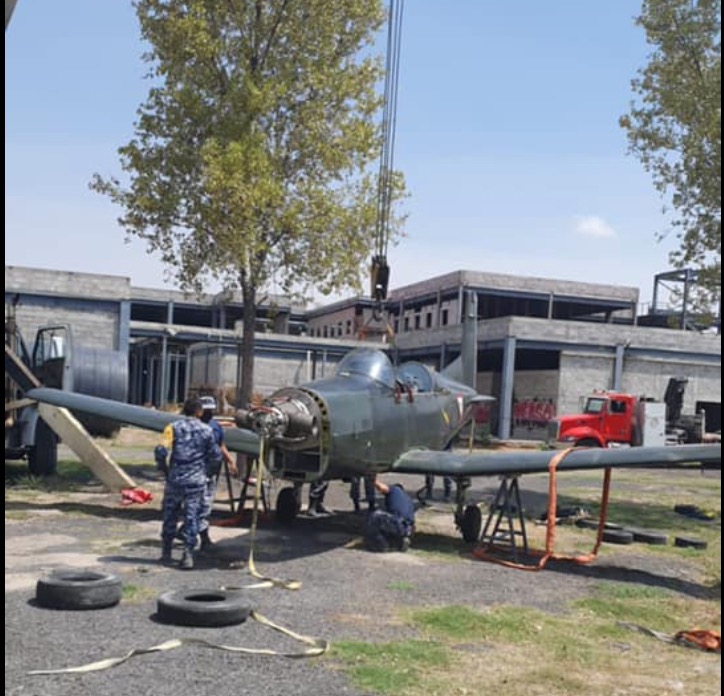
507, 132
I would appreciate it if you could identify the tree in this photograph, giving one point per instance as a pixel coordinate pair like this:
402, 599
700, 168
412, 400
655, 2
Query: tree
252, 154
675, 126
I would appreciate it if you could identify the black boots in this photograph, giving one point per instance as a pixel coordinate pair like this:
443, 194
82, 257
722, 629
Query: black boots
206, 543
317, 508
166, 557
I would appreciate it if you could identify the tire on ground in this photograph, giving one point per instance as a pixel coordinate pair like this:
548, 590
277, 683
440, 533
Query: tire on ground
78, 589
689, 543
647, 537
592, 523
199, 607
617, 536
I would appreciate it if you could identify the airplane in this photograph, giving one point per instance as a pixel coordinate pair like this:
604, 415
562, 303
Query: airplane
373, 417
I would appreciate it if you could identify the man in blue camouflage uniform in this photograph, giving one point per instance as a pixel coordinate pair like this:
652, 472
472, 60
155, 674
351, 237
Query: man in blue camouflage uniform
390, 529
187, 449
212, 474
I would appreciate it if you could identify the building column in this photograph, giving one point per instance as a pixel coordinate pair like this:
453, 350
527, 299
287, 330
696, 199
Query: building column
163, 389
124, 325
619, 356
505, 419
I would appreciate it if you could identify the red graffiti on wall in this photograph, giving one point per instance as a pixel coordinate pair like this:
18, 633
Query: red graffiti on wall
533, 413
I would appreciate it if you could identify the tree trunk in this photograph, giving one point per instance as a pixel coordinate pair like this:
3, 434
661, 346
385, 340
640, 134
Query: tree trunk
246, 387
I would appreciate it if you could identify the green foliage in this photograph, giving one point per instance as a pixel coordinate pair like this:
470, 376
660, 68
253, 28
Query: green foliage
674, 127
253, 154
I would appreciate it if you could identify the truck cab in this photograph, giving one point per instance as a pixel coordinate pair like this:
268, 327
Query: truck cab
608, 418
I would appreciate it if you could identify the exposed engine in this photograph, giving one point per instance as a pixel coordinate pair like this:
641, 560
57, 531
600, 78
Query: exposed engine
289, 418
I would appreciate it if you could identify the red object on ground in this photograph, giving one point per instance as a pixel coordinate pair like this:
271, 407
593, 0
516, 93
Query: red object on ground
135, 495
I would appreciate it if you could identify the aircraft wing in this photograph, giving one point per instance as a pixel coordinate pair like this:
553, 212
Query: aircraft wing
490, 463
236, 440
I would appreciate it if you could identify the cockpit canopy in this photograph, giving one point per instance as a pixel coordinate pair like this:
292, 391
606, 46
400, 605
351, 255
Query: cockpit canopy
375, 364
368, 362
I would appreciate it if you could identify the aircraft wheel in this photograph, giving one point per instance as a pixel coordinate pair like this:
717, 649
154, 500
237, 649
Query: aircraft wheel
287, 505
471, 523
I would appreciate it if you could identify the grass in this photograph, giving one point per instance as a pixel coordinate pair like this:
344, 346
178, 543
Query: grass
137, 593
521, 651
394, 668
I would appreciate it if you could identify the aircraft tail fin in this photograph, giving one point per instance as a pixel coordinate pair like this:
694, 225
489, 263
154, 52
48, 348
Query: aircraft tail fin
465, 368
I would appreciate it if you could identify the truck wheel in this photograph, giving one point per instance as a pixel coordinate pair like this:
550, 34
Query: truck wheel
78, 589
43, 455
211, 608
587, 442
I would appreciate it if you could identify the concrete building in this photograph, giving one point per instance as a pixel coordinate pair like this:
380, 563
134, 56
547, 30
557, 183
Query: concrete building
543, 343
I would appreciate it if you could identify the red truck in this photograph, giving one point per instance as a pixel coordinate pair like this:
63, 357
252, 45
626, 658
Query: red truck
611, 418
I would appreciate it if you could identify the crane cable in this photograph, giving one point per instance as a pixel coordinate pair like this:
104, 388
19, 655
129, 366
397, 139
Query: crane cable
380, 270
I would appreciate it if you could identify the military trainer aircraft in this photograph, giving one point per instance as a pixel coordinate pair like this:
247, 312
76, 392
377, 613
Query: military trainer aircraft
373, 417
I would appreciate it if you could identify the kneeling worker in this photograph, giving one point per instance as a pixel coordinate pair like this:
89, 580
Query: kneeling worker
390, 529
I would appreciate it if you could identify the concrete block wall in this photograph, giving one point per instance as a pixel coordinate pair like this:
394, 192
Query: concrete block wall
89, 303
216, 367
580, 374
650, 377
95, 324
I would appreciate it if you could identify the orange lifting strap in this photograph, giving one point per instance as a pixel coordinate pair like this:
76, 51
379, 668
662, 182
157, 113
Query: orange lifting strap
483, 552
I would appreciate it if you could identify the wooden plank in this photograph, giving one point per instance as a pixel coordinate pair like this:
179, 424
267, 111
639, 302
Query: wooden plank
73, 434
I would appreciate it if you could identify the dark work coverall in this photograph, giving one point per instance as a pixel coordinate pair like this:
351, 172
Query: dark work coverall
191, 446
390, 528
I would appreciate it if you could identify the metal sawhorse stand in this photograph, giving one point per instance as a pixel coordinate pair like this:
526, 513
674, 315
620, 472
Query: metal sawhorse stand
247, 482
500, 529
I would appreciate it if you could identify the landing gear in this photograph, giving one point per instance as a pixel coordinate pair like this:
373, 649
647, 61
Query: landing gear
468, 518
287, 505
471, 524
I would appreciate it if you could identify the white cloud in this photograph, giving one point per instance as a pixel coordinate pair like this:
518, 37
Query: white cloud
592, 226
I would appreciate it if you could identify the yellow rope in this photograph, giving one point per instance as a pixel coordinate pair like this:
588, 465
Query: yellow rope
266, 581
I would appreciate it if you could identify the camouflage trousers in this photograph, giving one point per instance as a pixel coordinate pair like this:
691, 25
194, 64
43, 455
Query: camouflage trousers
385, 531
181, 500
